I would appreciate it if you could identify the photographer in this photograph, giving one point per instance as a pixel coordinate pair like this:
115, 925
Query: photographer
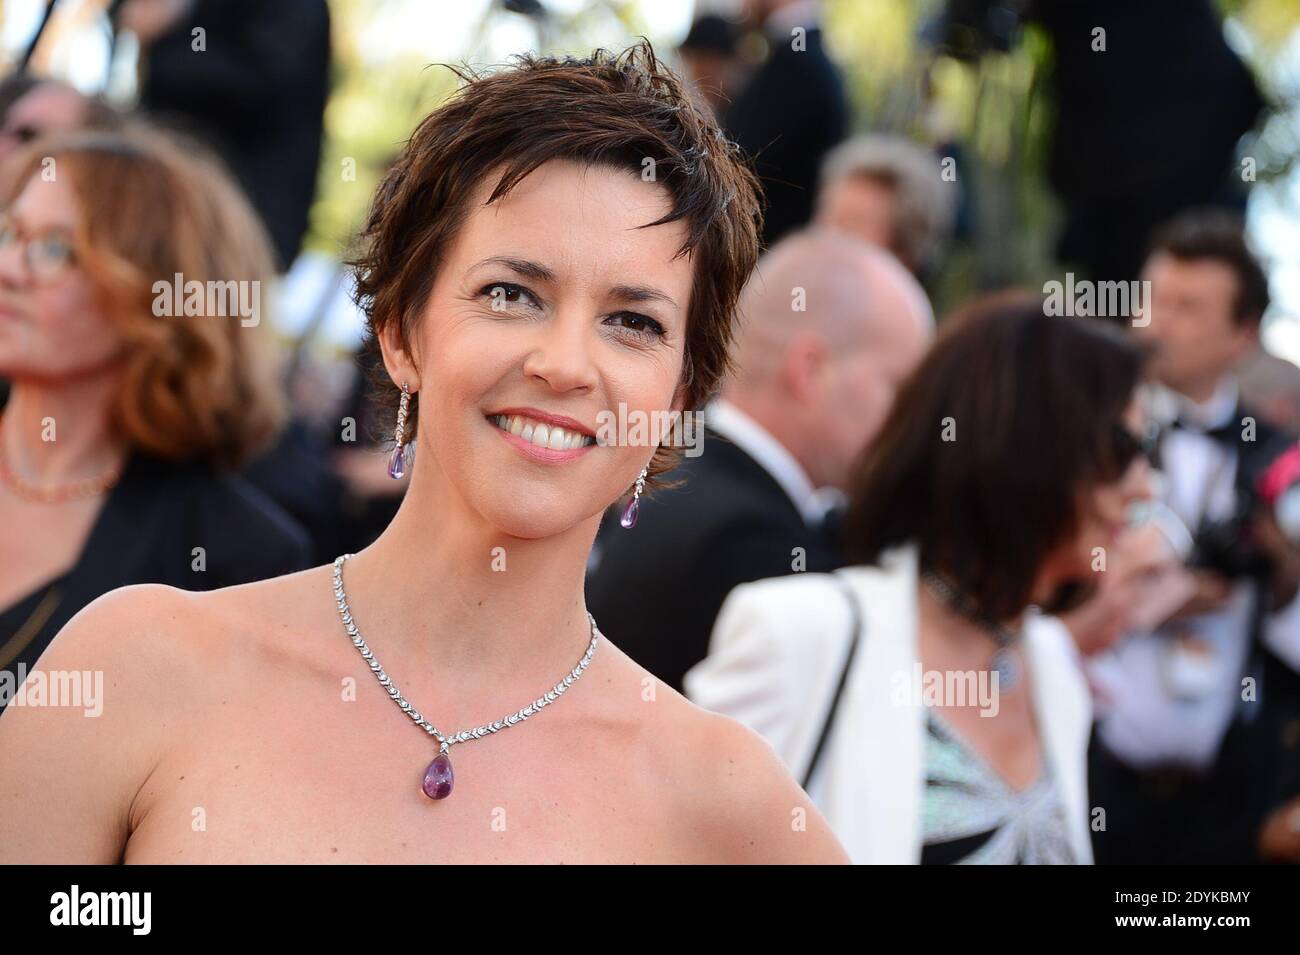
1197, 716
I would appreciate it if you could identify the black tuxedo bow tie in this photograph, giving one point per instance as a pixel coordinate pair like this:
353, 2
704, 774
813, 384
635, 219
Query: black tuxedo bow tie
1227, 434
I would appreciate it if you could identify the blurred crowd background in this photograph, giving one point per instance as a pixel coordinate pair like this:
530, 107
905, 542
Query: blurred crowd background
984, 144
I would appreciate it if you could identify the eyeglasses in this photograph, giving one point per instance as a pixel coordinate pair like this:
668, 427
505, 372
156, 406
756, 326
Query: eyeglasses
1128, 446
23, 134
47, 255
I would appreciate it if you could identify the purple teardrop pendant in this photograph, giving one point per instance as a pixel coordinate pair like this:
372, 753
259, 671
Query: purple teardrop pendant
397, 463
438, 778
630, 512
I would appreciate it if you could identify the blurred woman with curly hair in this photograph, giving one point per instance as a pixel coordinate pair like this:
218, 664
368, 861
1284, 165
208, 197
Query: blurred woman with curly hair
124, 419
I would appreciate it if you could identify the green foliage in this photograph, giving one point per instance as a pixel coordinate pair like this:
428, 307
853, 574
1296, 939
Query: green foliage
994, 107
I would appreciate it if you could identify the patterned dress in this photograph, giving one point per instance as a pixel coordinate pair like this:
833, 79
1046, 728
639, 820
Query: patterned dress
970, 816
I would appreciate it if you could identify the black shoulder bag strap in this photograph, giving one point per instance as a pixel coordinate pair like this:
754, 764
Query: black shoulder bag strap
855, 631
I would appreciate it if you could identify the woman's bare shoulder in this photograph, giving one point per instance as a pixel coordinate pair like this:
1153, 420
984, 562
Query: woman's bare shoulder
741, 802
130, 634
749, 798
105, 703
159, 651
155, 624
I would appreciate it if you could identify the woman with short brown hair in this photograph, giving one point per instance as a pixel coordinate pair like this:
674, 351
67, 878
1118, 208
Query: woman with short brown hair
563, 241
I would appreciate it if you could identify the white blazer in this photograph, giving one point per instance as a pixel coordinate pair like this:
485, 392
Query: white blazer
777, 651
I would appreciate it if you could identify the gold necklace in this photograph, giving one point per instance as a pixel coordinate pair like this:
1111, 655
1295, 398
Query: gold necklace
58, 493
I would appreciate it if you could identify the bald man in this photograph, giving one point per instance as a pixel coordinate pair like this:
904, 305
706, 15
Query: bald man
830, 328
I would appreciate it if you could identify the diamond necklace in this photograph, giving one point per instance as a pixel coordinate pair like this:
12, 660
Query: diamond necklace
438, 777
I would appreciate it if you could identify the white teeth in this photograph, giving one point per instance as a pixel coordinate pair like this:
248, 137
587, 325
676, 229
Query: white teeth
542, 435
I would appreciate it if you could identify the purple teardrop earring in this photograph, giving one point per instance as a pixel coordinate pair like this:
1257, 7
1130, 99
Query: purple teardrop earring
633, 508
402, 453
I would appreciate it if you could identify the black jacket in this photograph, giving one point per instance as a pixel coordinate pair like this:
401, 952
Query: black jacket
1145, 129
256, 93
146, 532
792, 111
655, 590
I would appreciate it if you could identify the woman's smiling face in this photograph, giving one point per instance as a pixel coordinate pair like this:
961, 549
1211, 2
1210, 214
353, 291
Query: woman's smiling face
551, 306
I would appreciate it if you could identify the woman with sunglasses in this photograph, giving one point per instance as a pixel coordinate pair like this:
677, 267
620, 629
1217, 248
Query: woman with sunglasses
933, 712
123, 421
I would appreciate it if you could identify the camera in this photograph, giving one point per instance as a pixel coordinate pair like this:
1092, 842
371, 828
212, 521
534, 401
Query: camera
1226, 547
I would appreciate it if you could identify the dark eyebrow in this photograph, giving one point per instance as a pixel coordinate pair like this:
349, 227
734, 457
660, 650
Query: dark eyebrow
540, 273
641, 293
523, 267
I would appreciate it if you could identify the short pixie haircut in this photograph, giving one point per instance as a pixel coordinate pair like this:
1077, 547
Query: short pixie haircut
991, 445
608, 109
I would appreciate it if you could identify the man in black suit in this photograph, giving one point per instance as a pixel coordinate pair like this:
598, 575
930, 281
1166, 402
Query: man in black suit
252, 83
790, 113
1150, 102
831, 327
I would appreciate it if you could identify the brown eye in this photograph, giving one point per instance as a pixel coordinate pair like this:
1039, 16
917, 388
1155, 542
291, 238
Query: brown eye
640, 324
502, 294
